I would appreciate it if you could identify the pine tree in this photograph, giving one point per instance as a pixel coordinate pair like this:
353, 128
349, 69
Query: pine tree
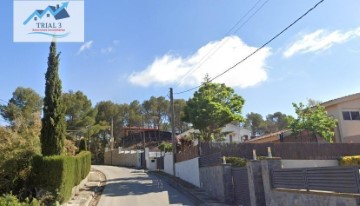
53, 121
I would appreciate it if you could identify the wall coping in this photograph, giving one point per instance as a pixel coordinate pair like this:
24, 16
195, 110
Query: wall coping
318, 192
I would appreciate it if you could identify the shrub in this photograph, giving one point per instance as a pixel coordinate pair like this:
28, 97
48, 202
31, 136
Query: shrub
15, 173
350, 160
267, 158
11, 200
59, 174
165, 147
236, 161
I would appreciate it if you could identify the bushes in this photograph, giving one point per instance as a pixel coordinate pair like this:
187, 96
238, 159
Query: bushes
165, 147
59, 174
236, 161
15, 173
350, 160
11, 200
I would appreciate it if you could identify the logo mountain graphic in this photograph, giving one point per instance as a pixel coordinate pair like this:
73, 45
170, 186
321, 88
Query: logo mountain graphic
58, 12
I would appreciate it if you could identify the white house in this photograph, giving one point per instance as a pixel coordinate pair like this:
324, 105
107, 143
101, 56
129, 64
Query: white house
236, 134
230, 134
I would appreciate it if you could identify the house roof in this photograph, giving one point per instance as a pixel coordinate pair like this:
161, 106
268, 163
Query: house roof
268, 136
62, 14
341, 99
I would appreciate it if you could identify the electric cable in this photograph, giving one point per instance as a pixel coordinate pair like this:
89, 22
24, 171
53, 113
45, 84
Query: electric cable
265, 44
215, 49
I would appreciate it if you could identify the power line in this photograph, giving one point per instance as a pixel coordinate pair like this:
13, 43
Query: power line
215, 49
4, 101
265, 44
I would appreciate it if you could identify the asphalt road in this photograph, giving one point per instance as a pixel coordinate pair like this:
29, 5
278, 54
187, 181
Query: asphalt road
131, 187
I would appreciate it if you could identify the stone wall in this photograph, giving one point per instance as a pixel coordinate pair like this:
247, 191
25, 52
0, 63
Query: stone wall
256, 188
217, 182
212, 181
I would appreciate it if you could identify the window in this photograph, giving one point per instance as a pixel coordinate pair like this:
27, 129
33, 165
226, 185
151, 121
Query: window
346, 116
351, 115
355, 115
48, 15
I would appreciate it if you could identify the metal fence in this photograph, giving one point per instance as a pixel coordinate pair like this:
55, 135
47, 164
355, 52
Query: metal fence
320, 151
210, 160
336, 179
241, 186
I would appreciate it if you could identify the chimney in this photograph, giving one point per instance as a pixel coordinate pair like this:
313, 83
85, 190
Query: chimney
57, 6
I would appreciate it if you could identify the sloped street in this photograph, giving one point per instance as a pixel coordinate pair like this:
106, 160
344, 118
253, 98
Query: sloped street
126, 186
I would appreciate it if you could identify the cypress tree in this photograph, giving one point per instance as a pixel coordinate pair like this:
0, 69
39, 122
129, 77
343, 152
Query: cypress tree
53, 121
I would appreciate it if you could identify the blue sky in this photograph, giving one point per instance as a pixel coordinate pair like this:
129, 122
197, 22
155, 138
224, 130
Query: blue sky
137, 49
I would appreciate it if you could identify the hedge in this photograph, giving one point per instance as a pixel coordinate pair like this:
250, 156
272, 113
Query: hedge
236, 161
59, 174
350, 160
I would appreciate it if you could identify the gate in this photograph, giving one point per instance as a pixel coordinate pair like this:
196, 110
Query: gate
241, 186
143, 163
160, 163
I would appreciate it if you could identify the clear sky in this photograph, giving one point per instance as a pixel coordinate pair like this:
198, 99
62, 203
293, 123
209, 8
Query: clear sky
137, 49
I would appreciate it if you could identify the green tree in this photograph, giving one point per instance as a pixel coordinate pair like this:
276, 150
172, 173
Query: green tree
79, 112
255, 122
134, 114
18, 144
53, 122
314, 119
313, 102
276, 122
211, 108
24, 103
179, 105
156, 112
148, 114
107, 111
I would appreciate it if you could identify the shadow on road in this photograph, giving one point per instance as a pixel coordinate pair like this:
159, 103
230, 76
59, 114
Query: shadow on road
142, 184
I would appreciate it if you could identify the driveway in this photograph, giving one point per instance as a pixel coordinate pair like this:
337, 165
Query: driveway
125, 186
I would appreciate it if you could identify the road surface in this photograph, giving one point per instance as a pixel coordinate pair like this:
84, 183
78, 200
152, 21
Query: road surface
132, 187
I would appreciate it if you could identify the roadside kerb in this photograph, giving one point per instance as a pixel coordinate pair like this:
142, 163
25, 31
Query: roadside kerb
198, 196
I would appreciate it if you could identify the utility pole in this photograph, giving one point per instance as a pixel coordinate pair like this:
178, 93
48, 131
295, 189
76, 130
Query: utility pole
173, 134
112, 134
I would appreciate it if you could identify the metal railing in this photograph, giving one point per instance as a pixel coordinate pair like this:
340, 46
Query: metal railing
336, 179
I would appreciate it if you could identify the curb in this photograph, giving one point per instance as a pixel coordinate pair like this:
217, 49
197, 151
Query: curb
86, 198
179, 187
176, 183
